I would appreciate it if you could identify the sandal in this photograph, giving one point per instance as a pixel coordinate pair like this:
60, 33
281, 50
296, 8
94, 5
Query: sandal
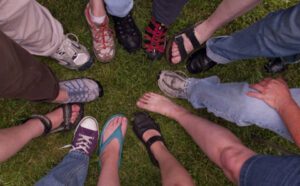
117, 134
142, 123
178, 39
66, 125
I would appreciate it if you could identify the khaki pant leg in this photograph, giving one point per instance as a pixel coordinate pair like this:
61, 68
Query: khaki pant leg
31, 25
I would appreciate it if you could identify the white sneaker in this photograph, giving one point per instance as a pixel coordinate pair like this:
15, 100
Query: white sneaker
73, 55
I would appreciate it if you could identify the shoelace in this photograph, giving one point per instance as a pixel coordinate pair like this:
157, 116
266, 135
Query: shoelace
66, 47
101, 32
158, 35
83, 143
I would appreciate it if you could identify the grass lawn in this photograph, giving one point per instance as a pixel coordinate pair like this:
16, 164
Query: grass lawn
124, 80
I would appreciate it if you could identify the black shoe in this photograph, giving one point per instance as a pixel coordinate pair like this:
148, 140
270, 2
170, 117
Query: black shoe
127, 33
155, 39
275, 65
199, 62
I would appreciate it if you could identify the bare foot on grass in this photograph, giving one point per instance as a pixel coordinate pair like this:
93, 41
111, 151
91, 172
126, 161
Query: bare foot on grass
160, 104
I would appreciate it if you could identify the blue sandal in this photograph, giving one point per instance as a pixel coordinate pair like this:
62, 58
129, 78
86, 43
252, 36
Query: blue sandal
117, 134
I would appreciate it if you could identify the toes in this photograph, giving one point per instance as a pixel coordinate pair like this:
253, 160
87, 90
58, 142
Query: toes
124, 125
141, 104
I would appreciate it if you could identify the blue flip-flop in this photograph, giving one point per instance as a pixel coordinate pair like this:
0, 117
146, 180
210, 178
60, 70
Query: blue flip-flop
117, 134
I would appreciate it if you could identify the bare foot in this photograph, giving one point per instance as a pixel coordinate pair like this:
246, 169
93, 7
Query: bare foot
160, 104
112, 150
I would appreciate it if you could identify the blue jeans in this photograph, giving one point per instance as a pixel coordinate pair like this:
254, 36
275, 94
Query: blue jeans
276, 35
119, 8
71, 171
230, 102
267, 170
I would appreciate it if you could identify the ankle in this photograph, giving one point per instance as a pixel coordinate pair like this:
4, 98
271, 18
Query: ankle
178, 112
36, 128
204, 31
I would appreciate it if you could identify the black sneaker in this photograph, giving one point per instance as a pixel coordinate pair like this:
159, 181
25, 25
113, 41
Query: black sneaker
199, 62
275, 65
127, 33
155, 39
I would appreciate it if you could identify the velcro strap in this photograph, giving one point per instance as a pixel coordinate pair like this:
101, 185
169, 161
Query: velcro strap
179, 41
45, 121
152, 140
190, 33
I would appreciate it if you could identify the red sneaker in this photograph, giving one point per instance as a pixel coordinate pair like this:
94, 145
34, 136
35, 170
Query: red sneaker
155, 39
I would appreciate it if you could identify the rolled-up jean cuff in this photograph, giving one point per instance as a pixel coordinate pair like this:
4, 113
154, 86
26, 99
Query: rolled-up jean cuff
212, 55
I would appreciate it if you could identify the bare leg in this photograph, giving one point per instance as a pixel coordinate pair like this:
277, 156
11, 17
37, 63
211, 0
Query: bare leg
218, 143
110, 157
15, 138
225, 12
172, 172
97, 8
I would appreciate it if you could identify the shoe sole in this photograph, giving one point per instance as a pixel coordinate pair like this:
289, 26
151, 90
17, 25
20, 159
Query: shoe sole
87, 65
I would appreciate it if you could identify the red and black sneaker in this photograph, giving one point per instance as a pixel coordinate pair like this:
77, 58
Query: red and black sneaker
155, 39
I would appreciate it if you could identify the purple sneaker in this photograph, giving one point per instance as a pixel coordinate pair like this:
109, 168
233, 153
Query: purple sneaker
86, 136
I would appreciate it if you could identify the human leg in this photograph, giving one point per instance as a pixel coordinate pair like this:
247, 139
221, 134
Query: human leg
276, 35
15, 138
226, 100
33, 27
226, 11
219, 144
164, 13
112, 139
172, 172
74, 167
127, 32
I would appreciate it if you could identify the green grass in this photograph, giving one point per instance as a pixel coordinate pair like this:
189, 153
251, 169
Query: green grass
124, 80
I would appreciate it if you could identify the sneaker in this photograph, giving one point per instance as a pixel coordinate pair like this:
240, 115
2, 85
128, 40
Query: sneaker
81, 90
173, 84
73, 55
128, 34
103, 38
155, 39
86, 136
275, 65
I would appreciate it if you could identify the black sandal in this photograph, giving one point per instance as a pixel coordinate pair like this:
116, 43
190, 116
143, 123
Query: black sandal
142, 123
66, 124
178, 39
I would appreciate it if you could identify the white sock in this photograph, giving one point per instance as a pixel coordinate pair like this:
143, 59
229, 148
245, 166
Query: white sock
95, 19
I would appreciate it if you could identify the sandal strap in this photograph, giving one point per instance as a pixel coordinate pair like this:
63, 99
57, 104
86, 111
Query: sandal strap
45, 121
190, 33
142, 123
179, 41
148, 144
67, 114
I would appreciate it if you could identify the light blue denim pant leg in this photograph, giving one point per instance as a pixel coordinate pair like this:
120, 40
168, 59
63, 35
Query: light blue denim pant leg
276, 35
119, 8
71, 171
230, 102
